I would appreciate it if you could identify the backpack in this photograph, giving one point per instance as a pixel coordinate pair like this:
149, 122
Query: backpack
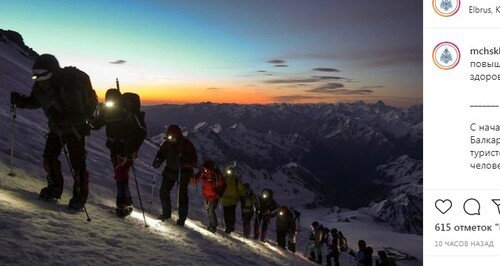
76, 94
342, 243
220, 182
131, 102
325, 236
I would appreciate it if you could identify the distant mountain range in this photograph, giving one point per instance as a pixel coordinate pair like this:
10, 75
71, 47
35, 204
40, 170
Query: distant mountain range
341, 144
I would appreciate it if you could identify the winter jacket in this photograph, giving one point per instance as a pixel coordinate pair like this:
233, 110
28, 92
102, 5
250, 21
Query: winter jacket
335, 244
67, 103
213, 183
285, 220
268, 207
249, 202
234, 190
179, 155
363, 258
318, 235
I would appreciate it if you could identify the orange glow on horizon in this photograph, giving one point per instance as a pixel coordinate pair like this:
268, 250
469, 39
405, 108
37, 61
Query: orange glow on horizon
156, 94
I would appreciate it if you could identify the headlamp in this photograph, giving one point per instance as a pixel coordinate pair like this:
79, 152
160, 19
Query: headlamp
169, 137
228, 171
281, 213
109, 104
41, 74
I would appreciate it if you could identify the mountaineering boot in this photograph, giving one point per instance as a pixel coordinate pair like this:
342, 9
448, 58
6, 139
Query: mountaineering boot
123, 207
48, 193
76, 203
123, 210
312, 256
163, 217
55, 180
180, 222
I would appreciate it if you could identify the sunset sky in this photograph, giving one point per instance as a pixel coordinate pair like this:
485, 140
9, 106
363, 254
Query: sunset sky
234, 51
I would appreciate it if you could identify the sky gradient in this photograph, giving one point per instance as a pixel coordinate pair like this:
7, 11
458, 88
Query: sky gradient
234, 51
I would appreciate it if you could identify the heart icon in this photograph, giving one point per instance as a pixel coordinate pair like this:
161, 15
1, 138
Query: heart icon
443, 205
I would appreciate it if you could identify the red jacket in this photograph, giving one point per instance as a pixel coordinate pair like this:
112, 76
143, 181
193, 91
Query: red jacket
213, 183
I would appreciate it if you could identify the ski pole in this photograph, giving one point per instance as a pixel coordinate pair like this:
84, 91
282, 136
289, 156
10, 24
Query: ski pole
222, 216
139, 194
178, 187
13, 112
77, 181
307, 249
152, 191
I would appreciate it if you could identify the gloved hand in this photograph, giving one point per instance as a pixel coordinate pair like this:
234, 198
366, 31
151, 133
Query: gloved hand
55, 115
157, 162
132, 156
15, 98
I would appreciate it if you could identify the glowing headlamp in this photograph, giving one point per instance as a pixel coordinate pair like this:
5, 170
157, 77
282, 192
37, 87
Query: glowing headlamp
41, 74
265, 195
109, 104
228, 171
281, 213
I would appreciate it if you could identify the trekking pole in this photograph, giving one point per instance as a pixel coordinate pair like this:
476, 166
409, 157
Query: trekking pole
139, 195
221, 216
12, 136
77, 181
307, 249
178, 187
152, 191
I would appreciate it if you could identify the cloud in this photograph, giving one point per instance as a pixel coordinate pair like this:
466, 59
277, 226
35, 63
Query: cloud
371, 87
328, 88
295, 98
296, 80
118, 62
214, 89
326, 69
281, 65
329, 77
338, 89
276, 61
261, 71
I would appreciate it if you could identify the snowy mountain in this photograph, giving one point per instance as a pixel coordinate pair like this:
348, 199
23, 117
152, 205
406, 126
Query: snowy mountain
341, 145
269, 153
403, 208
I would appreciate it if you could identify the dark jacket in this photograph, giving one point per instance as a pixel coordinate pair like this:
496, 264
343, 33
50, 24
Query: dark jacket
285, 220
67, 103
250, 202
179, 155
268, 206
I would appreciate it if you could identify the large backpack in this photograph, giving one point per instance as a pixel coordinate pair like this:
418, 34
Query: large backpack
131, 102
343, 243
77, 95
326, 236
